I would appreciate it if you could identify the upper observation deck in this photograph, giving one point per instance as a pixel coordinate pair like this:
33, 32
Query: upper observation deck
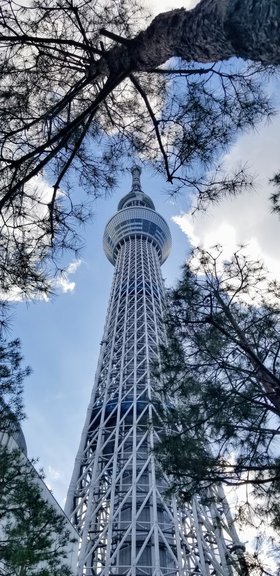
136, 216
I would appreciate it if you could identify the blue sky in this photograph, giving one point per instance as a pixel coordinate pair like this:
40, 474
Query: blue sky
61, 337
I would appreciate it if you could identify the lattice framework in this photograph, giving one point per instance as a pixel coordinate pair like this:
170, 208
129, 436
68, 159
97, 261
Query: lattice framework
117, 497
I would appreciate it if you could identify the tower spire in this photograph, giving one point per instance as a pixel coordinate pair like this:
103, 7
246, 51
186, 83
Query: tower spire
136, 196
136, 183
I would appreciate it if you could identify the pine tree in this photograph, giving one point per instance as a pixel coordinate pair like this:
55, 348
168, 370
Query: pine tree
82, 88
34, 537
222, 365
12, 375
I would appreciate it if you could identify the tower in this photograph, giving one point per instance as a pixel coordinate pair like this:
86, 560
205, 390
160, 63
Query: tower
117, 496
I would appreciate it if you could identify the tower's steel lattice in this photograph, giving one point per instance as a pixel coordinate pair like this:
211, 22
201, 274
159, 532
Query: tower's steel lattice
117, 496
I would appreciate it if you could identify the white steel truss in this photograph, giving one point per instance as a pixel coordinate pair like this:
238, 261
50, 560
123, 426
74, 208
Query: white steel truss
117, 497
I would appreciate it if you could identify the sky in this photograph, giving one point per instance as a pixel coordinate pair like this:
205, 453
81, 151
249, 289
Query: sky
61, 337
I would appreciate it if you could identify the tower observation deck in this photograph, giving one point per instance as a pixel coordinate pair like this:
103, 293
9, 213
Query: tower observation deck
117, 498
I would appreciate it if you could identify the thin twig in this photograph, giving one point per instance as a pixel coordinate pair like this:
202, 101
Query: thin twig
155, 123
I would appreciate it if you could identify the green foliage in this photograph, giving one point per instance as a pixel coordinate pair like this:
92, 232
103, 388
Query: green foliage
33, 535
222, 367
12, 375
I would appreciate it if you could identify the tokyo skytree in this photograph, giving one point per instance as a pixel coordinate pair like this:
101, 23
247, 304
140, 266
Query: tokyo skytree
117, 498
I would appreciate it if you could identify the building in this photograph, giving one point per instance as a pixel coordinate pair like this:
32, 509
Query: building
117, 496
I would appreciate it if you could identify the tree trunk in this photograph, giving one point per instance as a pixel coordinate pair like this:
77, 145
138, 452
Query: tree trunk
214, 30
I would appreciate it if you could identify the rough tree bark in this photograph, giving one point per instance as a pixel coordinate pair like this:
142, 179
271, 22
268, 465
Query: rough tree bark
214, 30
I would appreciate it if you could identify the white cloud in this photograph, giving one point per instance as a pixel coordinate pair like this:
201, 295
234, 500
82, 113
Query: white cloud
246, 219
73, 266
53, 478
158, 6
63, 283
38, 210
53, 474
